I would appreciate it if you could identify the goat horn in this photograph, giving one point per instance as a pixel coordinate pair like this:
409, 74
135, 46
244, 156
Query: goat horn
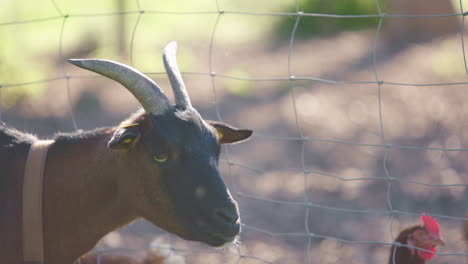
181, 96
146, 91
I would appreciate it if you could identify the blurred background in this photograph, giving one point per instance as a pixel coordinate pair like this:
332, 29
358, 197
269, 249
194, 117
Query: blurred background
313, 182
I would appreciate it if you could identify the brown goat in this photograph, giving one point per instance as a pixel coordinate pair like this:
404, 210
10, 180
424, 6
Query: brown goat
160, 164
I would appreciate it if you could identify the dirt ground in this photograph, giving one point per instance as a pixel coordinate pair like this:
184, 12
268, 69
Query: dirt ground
334, 183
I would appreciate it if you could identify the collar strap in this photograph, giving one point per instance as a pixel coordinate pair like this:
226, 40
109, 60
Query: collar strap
33, 240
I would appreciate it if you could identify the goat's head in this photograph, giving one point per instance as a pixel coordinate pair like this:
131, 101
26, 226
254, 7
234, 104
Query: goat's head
173, 154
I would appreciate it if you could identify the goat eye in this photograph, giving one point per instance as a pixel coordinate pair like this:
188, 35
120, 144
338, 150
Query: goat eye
160, 158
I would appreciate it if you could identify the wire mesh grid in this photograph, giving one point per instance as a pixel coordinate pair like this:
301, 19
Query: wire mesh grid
301, 138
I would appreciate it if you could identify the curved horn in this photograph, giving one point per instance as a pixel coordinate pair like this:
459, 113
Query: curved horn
178, 87
146, 91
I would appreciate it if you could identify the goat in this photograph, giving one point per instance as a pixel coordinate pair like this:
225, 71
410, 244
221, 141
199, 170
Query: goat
160, 164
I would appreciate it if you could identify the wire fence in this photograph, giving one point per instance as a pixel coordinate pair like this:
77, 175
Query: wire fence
302, 138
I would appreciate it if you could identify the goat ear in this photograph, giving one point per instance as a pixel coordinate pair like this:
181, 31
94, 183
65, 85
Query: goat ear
228, 134
125, 137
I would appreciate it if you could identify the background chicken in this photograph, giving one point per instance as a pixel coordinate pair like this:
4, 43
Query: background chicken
465, 236
425, 236
465, 230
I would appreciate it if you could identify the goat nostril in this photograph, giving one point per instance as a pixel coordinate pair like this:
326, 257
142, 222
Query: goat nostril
226, 215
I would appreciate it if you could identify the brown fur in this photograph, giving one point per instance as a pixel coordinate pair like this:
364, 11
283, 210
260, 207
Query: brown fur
13, 158
98, 181
84, 197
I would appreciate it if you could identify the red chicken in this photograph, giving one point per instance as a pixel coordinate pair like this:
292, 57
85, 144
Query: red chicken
465, 230
425, 236
465, 235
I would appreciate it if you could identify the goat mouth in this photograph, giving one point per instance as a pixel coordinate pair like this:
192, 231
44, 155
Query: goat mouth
217, 239
211, 233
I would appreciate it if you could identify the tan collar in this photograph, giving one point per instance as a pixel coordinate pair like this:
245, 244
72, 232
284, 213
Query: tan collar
33, 240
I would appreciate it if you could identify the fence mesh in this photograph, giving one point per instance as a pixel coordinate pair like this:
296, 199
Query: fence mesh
316, 240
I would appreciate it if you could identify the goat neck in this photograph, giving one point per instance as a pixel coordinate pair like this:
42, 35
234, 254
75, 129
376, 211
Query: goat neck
81, 200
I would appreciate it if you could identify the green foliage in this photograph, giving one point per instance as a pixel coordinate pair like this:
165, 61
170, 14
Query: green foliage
19, 47
33, 46
239, 88
30, 47
312, 26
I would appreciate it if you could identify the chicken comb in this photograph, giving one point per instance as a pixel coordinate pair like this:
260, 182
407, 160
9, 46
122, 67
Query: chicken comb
431, 224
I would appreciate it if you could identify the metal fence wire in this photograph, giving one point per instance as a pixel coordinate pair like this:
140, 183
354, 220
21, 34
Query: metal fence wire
307, 204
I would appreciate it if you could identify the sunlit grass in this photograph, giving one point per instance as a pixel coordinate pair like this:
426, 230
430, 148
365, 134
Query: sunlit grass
30, 47
33, 45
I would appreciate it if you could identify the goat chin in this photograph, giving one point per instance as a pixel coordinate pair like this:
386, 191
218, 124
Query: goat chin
232, 247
